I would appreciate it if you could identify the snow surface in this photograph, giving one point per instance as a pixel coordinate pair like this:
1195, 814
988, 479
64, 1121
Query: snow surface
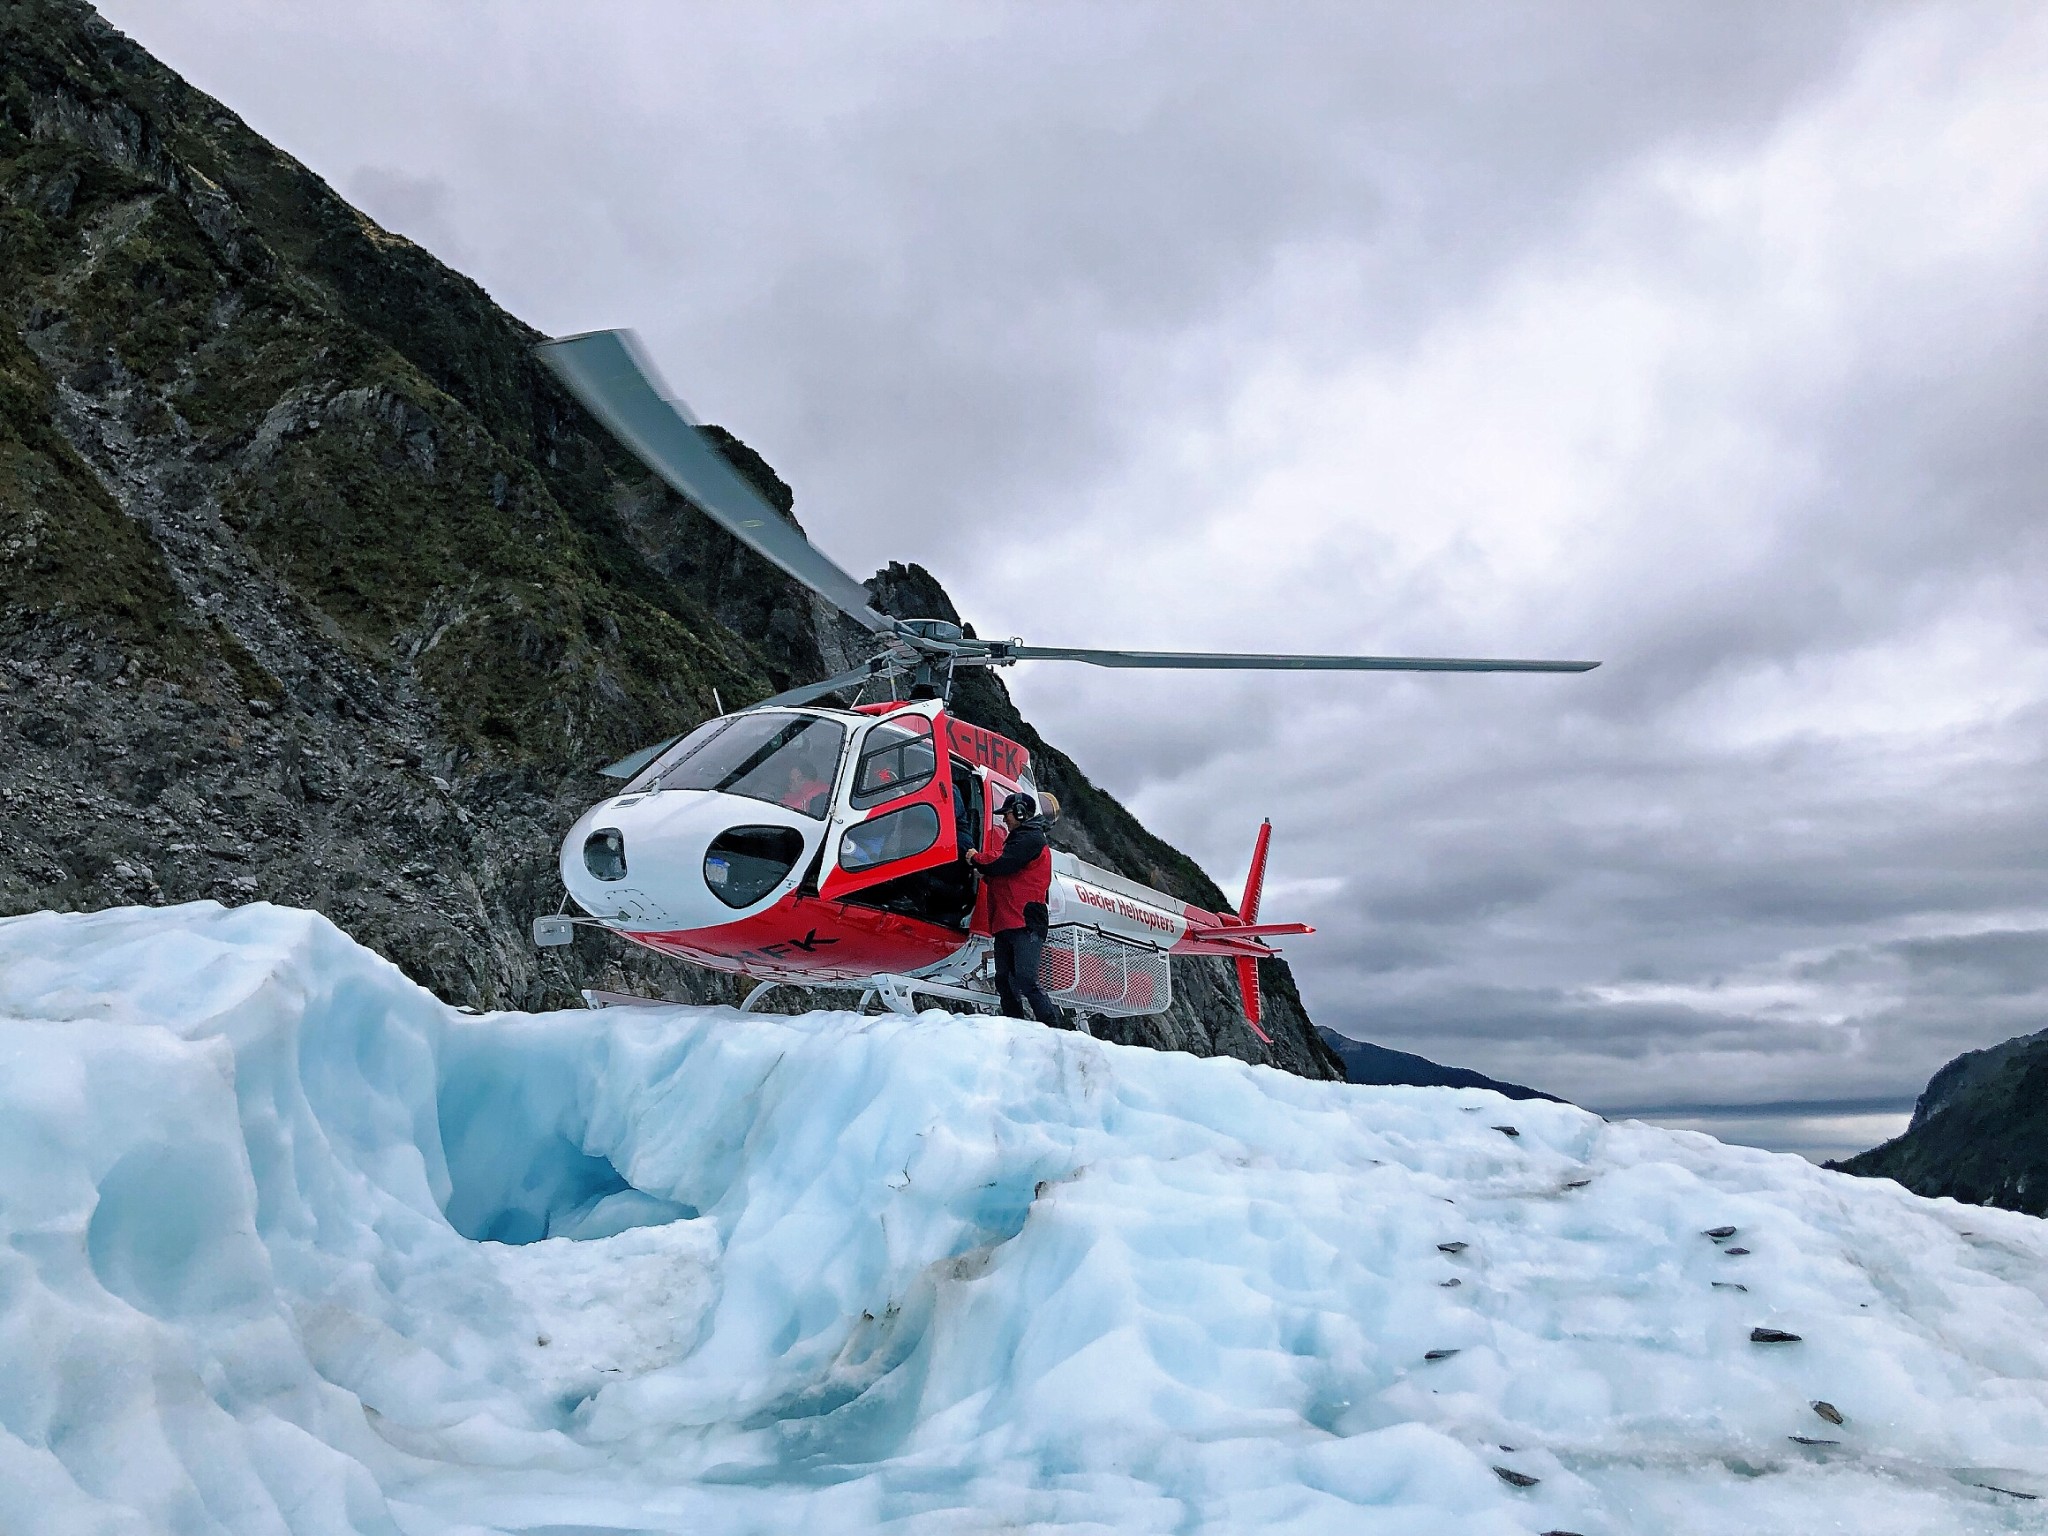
291, 1246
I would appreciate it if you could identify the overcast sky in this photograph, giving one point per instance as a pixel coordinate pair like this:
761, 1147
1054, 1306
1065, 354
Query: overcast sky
1707, 341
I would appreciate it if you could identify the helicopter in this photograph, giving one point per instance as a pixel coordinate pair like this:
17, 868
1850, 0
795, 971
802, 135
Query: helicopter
806, 844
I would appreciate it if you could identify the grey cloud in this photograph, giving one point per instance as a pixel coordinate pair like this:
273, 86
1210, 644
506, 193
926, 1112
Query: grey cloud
1998, 964
951, 288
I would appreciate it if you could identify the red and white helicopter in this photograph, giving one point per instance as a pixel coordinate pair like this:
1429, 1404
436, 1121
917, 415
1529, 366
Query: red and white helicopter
806, 845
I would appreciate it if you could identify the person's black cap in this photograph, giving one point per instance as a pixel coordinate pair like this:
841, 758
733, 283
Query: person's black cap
1019, 804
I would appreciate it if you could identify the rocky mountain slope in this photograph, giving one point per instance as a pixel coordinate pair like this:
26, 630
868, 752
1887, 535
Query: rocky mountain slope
1979, 1133
314, 587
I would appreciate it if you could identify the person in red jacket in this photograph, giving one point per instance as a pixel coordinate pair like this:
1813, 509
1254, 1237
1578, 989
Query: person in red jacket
1019, 877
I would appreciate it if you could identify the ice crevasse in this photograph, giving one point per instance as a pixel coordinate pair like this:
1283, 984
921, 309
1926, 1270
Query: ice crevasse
286, 1245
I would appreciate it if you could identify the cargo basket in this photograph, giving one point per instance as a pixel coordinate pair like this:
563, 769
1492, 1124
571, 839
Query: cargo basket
1096, 973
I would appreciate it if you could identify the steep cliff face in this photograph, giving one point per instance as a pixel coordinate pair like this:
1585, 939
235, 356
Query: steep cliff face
1979, 1133
314, 587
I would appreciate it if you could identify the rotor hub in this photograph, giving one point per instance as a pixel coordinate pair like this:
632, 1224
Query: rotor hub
932, 629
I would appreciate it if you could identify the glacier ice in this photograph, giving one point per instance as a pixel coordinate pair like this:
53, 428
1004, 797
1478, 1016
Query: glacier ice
289, 1246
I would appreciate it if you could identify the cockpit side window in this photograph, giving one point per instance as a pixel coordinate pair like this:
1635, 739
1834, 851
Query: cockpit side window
897, 757
786, 760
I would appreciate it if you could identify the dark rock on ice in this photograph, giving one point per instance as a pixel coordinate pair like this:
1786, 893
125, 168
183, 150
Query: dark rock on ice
1452, 1247
1438, 1354
1516, 1479
1827, 1411
1772, 1336
1718, 1233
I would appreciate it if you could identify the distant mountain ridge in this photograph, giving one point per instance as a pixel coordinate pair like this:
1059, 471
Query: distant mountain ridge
1375, 1065
1978, 1134
316, 588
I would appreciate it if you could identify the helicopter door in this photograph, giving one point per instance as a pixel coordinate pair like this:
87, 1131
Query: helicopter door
902, 854
970, 804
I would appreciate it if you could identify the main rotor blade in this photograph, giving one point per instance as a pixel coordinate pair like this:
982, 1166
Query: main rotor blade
611, 375
629, 765
1236, 661
810, 691
633, 762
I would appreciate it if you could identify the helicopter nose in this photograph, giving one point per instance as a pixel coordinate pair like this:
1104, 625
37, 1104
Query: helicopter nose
683, 859
604, 853
743, 864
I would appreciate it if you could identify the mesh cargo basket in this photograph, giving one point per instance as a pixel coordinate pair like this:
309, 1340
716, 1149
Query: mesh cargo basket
1095, 973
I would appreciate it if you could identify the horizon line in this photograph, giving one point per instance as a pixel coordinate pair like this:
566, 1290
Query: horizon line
1862, 1106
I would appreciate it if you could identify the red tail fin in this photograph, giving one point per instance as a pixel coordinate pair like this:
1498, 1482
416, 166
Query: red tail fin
1248, 984
1255, 882
1248, 910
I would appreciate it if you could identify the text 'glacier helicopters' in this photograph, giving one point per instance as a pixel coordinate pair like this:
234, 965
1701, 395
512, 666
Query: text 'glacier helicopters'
812, 846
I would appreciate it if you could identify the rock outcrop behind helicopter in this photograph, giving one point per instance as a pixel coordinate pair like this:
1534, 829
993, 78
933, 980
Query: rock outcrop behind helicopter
314, 587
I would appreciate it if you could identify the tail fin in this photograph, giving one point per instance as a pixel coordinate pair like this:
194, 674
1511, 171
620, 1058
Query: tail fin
1255, 882
1248, 984
1248, 910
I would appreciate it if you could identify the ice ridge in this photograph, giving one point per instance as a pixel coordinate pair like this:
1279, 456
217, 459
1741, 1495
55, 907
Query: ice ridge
289, 1246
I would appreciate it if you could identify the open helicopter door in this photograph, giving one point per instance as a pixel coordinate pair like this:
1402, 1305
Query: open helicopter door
898, 846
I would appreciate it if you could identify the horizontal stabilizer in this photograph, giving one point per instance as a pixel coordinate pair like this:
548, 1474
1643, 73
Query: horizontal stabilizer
1213, 944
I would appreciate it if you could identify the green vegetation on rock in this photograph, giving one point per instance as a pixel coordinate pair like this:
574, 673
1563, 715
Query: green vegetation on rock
1979, 1132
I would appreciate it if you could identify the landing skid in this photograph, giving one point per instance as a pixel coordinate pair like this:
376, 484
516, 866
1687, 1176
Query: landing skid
897, 993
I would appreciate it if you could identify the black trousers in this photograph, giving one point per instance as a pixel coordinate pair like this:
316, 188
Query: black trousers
1018, 951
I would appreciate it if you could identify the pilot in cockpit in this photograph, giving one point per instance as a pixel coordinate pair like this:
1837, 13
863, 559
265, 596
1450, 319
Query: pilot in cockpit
809, 786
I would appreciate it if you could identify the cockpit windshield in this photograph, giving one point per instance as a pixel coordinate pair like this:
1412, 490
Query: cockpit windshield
786, 760
650, 777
